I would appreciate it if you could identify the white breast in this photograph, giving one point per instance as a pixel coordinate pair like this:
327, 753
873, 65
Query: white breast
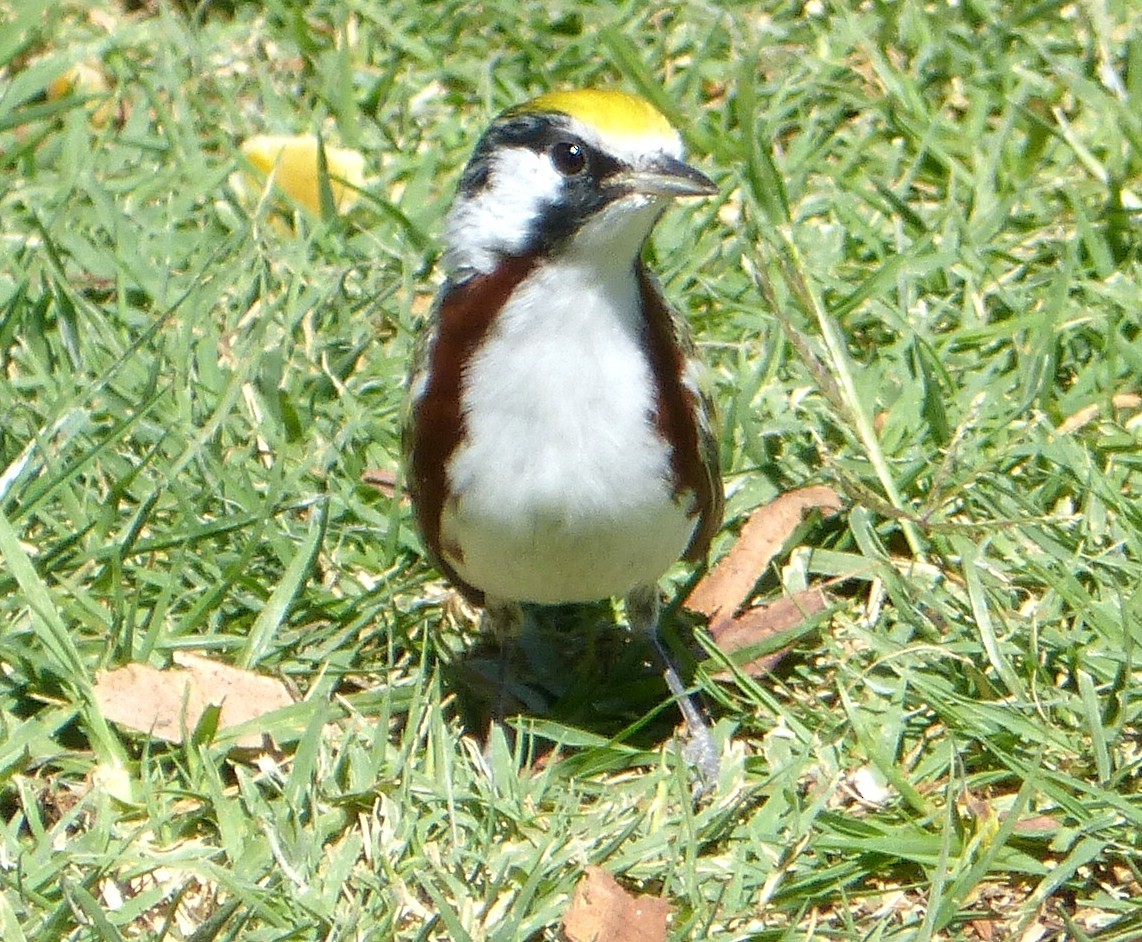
563, 487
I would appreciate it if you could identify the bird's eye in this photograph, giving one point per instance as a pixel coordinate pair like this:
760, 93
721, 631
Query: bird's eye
569, 158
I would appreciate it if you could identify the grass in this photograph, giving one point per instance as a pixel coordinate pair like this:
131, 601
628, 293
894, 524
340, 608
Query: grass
920, 284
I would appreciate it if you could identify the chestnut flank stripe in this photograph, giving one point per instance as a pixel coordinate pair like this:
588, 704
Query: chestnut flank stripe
676, 415
465, 313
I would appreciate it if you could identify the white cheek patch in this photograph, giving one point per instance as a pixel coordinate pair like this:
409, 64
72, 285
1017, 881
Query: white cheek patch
498, 219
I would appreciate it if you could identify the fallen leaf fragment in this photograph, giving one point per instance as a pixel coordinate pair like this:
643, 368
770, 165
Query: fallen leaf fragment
83, 77
291, 163
110, 778
602, 911
383, 479
984, 929
727, 587
1122, 401
870, 786
1040, 825
168, 703
87, 79
757, 625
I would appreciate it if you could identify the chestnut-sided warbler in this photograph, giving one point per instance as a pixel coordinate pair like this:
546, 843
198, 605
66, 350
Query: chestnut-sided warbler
559, 445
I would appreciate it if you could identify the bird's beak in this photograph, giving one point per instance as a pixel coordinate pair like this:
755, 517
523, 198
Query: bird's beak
668, 177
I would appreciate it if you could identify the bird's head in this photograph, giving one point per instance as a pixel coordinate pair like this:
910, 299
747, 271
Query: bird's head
570, 171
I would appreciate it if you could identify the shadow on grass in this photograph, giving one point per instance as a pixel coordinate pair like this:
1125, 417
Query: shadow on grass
576, 666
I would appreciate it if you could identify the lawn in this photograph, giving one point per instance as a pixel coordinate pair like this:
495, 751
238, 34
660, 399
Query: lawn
918, 286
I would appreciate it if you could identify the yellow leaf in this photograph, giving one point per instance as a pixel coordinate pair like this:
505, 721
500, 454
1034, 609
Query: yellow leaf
291, 163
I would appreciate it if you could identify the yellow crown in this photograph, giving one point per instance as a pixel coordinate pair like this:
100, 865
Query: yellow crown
610, 112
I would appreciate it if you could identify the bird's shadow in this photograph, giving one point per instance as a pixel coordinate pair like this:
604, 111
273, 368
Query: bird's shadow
576, 666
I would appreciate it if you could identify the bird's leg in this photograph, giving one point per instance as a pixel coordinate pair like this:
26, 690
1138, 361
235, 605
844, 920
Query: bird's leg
504, 620
642, 612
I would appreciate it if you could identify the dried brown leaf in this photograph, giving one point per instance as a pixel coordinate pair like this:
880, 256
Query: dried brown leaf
168, 703
728, 585
984, 929
602, 911
1039, 825
755, 625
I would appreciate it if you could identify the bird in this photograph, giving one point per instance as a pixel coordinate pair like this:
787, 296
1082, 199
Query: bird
560, 442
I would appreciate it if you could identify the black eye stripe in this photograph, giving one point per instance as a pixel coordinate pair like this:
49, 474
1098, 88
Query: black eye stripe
586, 171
